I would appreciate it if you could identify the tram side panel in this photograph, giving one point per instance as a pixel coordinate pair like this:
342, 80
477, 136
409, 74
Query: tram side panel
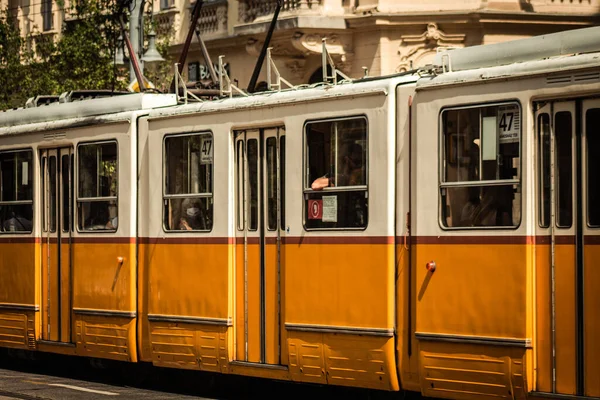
103, 243
185, 251
336, 296
406, 348
472, 313
144, 160
339, 260
19, 249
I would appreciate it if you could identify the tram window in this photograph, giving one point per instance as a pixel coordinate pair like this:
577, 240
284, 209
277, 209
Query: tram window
544, 168
188, 177
16, 191
43, 182
480, 182
52, 194
66, 211
240, 184
336, 189
98, 186
253, 183
282, 181
564, 163
271, 183
592, 123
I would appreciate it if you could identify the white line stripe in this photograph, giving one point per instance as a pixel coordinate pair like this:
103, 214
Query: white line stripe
83, 389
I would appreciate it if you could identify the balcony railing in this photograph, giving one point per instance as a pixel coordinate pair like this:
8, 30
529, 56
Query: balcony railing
167, 22
213, 18
250, 10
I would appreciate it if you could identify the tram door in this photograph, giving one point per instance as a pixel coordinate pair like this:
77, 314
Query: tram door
568, 247
57, 227
259, 186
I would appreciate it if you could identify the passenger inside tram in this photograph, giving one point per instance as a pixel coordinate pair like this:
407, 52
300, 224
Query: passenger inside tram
17, 224
337, 159
350, 173
191, 216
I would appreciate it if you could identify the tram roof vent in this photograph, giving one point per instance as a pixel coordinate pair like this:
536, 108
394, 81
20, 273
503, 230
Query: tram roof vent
54, 136
570, 42
575, 78
42, 100
78, 95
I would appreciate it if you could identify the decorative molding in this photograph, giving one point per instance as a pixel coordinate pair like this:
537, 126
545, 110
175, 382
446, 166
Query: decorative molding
414, 48
339, 46
297, 66
279, 48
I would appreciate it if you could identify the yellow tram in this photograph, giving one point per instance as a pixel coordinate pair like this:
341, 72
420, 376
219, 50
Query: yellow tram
435, 231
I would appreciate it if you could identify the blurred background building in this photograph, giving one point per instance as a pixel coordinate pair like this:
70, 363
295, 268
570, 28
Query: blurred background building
381, 36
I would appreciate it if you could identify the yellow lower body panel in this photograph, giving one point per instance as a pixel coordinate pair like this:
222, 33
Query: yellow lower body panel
461, 371
17, 330
104, 337
342, 359
190, 346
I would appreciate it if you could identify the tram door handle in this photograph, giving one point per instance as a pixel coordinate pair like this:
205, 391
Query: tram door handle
431, 266
119, 265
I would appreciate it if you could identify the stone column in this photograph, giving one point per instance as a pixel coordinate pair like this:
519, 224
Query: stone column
332, 7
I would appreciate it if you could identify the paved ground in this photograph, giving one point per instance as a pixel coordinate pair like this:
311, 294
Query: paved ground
26, 385
76, 378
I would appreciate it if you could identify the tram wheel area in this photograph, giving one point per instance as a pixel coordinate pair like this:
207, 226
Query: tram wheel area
165, 383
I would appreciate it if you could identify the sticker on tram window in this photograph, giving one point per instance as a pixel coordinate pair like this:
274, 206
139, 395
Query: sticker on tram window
509, 124
330, 208
206, 150
25, 174
315, 209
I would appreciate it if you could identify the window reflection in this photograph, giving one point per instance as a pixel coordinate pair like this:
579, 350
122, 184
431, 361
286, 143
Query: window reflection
188, 203
16, 191
336, 156
98, 187
481, 144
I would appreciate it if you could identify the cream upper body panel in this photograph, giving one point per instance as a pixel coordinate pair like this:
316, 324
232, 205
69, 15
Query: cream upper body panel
291, 110
523, 84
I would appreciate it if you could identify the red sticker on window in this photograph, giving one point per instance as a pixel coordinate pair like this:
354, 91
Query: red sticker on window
315, 209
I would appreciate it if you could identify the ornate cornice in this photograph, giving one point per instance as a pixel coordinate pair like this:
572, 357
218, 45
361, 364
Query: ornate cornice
413, 48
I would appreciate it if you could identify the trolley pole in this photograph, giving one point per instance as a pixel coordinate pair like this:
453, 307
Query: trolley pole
136, 29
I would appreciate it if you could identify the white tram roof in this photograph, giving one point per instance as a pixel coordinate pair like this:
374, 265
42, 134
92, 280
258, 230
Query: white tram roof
82, 112
362, 87
553, 53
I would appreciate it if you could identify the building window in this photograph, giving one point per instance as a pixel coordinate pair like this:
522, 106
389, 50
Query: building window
98, 187
47, 15
188, 176
480, 177
336, 192
164, 4
16, 191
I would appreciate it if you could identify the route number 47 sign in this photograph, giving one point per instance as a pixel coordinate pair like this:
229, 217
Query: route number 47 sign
509, 124
206, 150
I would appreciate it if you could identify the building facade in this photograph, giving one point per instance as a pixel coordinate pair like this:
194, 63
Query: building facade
374, 37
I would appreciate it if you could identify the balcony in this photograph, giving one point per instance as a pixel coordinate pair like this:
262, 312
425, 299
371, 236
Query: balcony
212, 21
253, 10
254, 16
